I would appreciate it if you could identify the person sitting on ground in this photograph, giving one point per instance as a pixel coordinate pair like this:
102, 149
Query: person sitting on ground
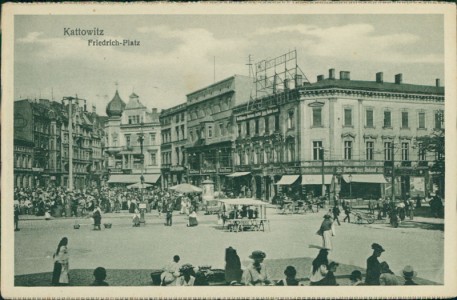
330, 277
356, 278
290, 279
100, 276
233, 270
136, 219
192, 219
256, 273
387, 276
170, 272
409, 274
187, 277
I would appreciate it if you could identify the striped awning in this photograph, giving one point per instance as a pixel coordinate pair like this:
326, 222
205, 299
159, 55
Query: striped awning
238, 174
366, 178
316, 179
133, 178
287, 179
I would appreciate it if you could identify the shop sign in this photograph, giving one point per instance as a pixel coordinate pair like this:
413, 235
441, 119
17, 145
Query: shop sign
257, 114
115, 170
194, 171
208, 171
176, 168
225, 170
37, 169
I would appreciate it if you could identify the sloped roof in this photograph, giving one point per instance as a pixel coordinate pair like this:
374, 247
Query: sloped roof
376, 86
134, 103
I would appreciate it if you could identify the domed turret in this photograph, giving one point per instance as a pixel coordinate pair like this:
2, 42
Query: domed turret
115, 107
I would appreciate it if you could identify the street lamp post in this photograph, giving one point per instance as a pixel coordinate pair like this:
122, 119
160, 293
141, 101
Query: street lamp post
322, 171
350, 185
141, 140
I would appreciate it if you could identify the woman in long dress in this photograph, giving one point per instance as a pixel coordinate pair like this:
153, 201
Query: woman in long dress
326, 232
61, 264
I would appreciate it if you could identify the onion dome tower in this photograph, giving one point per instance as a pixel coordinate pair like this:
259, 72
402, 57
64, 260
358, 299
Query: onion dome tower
116, 106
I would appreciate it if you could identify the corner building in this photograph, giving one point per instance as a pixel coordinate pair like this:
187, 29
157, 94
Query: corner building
339, 135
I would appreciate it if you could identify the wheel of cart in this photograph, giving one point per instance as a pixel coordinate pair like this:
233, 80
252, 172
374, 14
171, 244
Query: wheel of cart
360, 217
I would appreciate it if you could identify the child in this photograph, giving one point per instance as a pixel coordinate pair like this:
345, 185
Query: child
356, 278
330, 277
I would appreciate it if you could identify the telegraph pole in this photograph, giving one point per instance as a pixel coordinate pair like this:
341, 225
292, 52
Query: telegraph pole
322, 172
393, 171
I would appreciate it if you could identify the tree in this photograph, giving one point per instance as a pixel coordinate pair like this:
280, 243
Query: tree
435, 143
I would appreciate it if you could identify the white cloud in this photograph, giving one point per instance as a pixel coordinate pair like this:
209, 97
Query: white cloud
30, 37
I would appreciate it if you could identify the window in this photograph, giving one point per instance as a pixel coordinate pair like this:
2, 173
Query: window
317, 116
177, 156
257, 126
267, 124
127, 140
182, 116
177, 119
153, 158
439, 120
239, 129
221, 129
370, 150
177, 133
387, 119
347, 149
183, 136
422, 120
277, 122
388, 151
422, 152
210, 132
404, 151
317, 148
290, 120
404, 120
347, 117
191, 136
248, 129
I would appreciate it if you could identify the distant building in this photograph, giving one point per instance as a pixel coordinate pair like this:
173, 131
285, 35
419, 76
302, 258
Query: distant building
132, 142
210, 139
173, 123
41, 143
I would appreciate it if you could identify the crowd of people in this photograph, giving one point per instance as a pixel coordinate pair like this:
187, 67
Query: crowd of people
256, 273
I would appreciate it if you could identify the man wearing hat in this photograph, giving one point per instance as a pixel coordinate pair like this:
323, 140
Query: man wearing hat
326, 232
409, 274
374, 266
256, 273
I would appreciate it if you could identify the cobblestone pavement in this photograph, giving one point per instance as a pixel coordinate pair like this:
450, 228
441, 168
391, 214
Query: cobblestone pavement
125, 250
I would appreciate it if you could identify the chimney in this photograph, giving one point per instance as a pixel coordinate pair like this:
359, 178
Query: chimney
379, 77
345, 75
331, 74
437, 82
286, 84
320, 77
298, 80
94, 108
85, 107
398, 78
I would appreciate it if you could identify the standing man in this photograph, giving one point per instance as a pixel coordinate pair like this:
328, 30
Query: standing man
336, 213
347, 212
374, 266
169, 215
16, 217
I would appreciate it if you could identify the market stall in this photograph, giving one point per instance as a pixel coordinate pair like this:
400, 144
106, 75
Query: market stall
244, 214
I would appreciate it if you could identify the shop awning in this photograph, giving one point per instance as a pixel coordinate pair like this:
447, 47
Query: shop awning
366, 178
238, 174
133, 178
316, 179
287, 179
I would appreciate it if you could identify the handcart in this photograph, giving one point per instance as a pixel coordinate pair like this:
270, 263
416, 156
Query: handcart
361, 217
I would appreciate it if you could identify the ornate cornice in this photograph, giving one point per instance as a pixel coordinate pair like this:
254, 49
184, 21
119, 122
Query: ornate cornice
370, 136
348, 134
333, 92
388, 137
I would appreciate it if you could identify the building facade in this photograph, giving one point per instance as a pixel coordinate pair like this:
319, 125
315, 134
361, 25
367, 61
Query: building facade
173, 123
42, 144
132, 142
210, 126
342, 136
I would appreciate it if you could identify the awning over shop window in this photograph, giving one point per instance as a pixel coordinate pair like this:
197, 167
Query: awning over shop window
316, 179
238, 174
366, 178
131, 178
287, 179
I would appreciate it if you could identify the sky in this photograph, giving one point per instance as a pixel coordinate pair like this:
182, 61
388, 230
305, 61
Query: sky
179, 53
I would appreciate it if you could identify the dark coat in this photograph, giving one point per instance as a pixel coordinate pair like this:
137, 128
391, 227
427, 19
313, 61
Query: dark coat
373, 271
